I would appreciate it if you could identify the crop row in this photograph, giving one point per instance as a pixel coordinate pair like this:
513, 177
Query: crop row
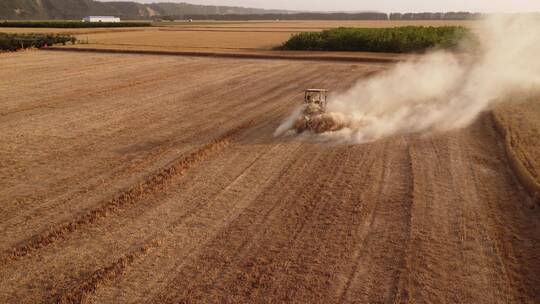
13, 42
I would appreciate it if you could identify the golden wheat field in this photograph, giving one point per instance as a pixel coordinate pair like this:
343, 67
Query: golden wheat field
155, 178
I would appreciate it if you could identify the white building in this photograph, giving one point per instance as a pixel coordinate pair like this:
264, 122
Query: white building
101, 19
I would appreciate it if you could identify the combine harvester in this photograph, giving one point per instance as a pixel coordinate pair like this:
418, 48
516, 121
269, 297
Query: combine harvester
314, 117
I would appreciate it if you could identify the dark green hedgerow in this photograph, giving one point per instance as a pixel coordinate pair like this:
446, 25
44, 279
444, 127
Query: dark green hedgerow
393, 40
71, 24
14, 42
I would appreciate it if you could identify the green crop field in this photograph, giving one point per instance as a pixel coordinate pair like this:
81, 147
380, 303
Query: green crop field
394, 40
13, 42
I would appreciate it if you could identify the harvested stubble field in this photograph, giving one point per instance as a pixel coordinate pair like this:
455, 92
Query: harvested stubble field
153, 179
214, 36
520, 127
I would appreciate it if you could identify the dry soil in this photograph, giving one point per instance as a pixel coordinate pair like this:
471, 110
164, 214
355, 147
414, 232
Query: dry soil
148, 179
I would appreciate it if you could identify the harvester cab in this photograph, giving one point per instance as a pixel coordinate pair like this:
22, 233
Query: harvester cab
316, 97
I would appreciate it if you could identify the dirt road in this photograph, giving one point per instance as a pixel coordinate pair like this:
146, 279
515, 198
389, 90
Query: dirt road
147, 179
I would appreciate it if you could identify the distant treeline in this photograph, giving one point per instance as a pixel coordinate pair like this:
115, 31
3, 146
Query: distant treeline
14, 42
435, 16
299, 16
331, 16
70, 24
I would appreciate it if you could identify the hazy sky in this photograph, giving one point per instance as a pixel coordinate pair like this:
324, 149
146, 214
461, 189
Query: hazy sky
380, 5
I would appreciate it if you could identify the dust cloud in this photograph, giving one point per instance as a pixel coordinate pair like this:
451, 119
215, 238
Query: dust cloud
441, 90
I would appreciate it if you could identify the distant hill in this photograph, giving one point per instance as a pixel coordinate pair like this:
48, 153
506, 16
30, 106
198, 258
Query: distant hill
76, 9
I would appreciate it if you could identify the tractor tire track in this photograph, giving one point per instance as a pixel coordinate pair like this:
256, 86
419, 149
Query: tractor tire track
84, 288
153, 184
103, 275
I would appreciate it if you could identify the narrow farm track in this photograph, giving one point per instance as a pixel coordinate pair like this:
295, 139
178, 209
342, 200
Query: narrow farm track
147, 179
